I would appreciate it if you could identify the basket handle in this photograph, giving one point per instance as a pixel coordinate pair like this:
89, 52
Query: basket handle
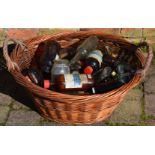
148, 60
11, 65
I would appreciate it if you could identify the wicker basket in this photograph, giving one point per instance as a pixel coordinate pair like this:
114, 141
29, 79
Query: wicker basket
74, 109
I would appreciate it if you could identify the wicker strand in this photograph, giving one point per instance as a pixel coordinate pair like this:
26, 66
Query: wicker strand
148, 59
12, 65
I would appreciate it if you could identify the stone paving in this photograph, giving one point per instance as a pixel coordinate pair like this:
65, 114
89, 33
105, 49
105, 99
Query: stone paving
138, 107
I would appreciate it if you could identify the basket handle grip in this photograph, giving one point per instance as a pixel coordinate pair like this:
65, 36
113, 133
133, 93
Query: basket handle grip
11, 65
148, 60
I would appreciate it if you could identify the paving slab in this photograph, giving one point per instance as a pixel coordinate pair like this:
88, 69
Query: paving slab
23, 118
149, 83
150, 122
18, 105
149, 104
5, 99
4, 111
130, 110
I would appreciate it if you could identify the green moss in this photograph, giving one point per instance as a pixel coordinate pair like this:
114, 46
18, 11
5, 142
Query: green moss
149, 117
123, 124
140, 87
143, 116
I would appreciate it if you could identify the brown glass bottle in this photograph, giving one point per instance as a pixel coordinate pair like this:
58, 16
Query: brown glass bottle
93, 62
73, 82
48, 56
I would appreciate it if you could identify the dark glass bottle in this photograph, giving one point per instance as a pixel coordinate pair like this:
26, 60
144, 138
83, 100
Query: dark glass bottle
103, 75
34, 76
88, 45
109, 82
114, 57
125, 73
93, 62
113, 51
107, 86
49, 55
107, 60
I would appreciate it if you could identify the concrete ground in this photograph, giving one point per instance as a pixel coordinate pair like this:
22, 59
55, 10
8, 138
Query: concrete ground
138, 107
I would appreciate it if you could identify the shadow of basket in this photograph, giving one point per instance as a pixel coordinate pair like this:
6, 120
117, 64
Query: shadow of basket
9, 86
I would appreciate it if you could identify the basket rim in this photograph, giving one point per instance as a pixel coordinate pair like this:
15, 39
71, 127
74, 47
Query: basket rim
121, 90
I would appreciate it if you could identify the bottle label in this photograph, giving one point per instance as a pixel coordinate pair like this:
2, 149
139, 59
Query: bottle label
75, 80
97, 54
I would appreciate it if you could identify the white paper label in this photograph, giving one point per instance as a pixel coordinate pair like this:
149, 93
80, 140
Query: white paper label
75, 80
97, 54
72, 81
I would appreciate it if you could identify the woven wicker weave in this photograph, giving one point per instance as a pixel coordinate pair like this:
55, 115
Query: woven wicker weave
74, 109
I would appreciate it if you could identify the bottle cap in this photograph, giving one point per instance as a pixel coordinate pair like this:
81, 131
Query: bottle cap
88, 70
113, 73
46, 84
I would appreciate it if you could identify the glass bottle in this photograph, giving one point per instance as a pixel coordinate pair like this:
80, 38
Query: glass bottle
60, 66
76, 81
125, 72
49, 55
93, 62
103, 74
88, 45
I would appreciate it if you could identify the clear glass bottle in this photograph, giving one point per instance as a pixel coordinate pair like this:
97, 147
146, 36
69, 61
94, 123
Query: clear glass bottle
60, 66
88, 45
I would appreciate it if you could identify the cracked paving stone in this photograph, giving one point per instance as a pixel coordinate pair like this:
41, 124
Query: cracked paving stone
4, 111
5, 99
129, 111
23, 118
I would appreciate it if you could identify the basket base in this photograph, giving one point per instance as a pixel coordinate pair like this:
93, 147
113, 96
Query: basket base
75, 118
